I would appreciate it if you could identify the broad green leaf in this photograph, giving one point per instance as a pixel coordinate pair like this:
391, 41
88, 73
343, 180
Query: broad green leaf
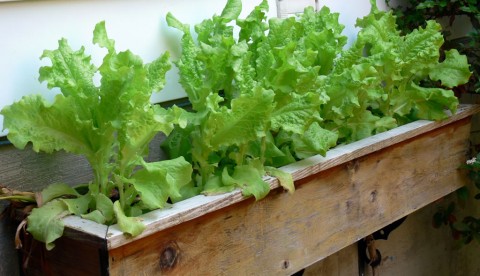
232, 10
96, 216
152, 187
321, 21
160, 180
420, 48
129, 225
249, 179
79, 205
105, 205
45, 223
167, 119
134, 141
157, 70
56, 190
243, 69
285, 159
49, 127
453, 70
362, 125
344, 98
265, 147
215, 186
173, 22
285, 179
187, 191
178, 143
245, 122
316, 140
71, 71
431, 102
384, 124
254, 26
178, 171
100, 37
190, 66
296, 114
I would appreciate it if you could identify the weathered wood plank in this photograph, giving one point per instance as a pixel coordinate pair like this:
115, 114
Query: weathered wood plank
74, 253
329, 211
226, 234
344, 262
200, 205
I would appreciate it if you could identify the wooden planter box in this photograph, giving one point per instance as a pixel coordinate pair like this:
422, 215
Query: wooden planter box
339, 199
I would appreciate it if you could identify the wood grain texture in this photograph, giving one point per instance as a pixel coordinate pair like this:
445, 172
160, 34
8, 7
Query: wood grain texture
74, 254
353, 191
341, 263
27, 170
416, 248
329, 211
200, 205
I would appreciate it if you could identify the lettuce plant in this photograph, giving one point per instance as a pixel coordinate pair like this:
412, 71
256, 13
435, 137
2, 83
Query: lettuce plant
380, 81
286, 89
247, 91
111, 124
226, 117
277, 91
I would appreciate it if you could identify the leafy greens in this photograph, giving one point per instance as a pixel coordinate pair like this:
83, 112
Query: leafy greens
286, 89
111, 125
277, 91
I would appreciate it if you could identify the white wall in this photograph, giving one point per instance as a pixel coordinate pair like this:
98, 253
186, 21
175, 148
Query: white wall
29, 27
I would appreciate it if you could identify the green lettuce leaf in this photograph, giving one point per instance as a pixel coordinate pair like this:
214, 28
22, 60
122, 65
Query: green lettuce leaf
56, 190
249, 179
79, 205
45, 223
453, 71
95, 216
295, 112
111, 124
285, 179
132, 226
316, 140
243, 123
160, 180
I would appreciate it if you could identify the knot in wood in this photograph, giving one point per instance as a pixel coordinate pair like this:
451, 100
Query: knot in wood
373, 196
352, 166
169, 256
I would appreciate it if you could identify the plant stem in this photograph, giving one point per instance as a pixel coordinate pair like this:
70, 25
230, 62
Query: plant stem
263, 149
19, 198
121, 192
